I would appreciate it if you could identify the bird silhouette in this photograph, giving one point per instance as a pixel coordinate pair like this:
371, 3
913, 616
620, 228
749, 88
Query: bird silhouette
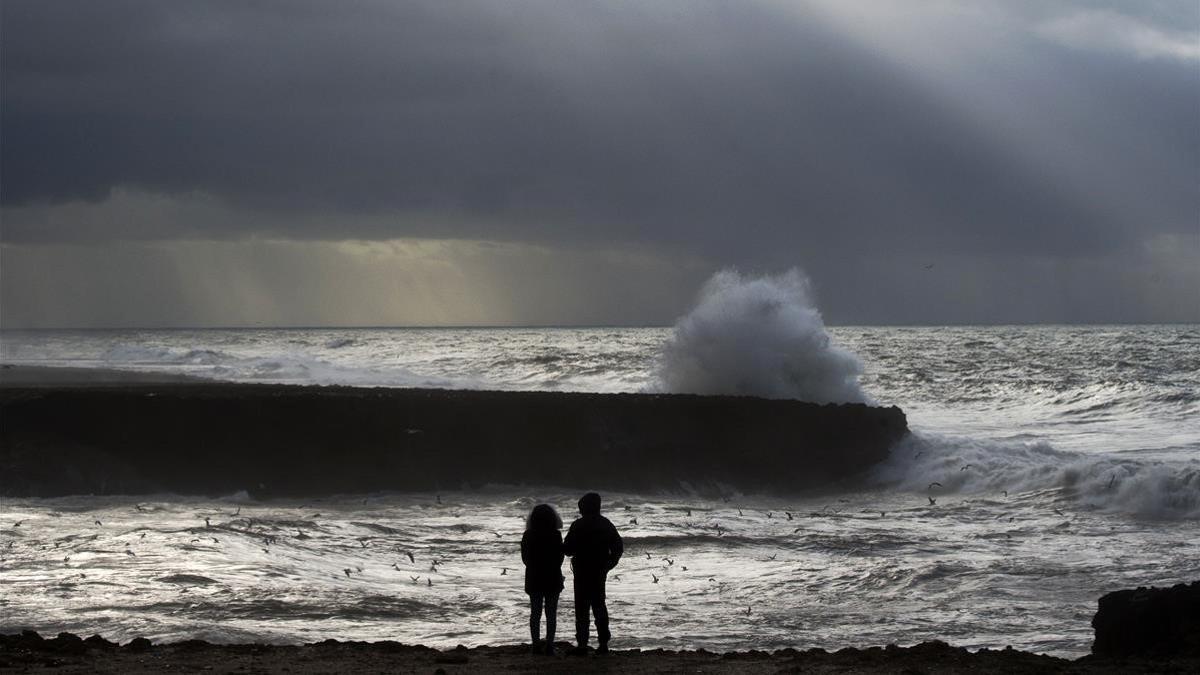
411, 559
633, 520
932, 501
415, 579
347, 571
503, 571
655, 577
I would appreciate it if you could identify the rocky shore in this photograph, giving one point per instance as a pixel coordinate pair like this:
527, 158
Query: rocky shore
1147, 630
68, 653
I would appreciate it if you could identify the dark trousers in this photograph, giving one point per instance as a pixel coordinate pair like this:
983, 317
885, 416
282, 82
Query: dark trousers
536, 602
589, 596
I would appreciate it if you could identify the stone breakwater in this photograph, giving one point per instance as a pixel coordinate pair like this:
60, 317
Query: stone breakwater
277, 440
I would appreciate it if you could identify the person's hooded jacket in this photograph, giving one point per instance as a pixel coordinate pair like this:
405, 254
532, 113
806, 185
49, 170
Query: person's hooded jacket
592, 542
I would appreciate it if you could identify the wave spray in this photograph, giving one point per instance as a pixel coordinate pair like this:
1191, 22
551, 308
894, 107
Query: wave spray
758, 336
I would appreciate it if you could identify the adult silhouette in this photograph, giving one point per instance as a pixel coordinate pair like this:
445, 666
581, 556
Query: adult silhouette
542, 553
595, 548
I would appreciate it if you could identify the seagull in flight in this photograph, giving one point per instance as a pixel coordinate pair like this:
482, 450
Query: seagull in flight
655, 577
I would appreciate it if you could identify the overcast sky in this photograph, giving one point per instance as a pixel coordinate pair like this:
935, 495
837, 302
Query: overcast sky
511, 162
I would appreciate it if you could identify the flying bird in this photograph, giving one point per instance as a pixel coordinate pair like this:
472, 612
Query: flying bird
503, 571
633, 520
411, 559
933, 484
655, 577
347, 571
932, 501
966, 466
415, 579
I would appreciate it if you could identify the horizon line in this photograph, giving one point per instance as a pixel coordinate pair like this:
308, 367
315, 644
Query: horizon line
583, 326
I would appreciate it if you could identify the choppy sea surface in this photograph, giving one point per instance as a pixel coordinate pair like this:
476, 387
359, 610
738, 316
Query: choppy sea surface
1048, 465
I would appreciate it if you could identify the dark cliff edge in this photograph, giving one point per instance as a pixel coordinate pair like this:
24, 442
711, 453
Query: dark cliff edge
1149, 622
277, 440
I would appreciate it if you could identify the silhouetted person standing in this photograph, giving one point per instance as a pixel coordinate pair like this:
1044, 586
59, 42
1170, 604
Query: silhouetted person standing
542, 553
595, 548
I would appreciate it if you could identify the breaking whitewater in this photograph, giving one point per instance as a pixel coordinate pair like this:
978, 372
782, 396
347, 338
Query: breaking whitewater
1048, 465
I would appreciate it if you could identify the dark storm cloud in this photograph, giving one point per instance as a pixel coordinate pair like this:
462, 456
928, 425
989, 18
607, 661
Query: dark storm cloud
736, 130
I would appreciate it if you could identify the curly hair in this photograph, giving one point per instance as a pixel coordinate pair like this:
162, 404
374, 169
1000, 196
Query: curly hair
543, 517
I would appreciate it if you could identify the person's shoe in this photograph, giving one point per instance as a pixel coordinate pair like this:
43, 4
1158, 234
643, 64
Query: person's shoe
581, 650
603, 648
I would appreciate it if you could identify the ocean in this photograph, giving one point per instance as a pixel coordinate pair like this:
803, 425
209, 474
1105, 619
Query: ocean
1047, 465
